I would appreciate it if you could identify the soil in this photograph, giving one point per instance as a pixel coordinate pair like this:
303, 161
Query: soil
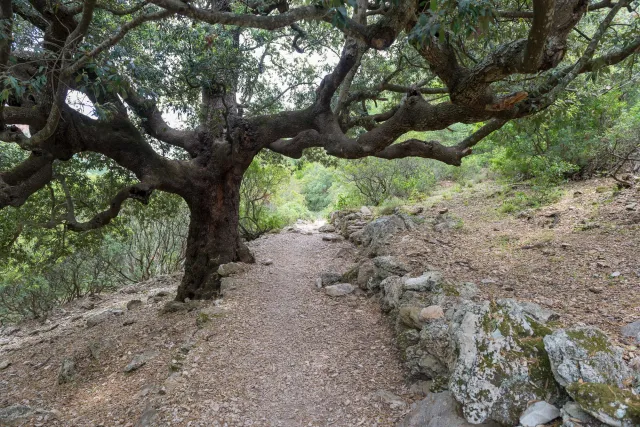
275, 351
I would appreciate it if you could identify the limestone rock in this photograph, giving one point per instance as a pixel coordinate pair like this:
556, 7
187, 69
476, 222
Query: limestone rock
329, 278
410, 316
366, 272
377, 233
389, 266
502, 364
392, 288
434, 354
332, 238
432, 312
177, 306
327, 228
231, 268
148, 418
4, 365
611, 405
366, 211
632, 331
585, 354
67, 371
438, 410
539, 413
339, 290
427, 282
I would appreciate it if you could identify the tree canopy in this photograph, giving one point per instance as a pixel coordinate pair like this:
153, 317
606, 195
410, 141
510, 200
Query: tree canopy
181, 96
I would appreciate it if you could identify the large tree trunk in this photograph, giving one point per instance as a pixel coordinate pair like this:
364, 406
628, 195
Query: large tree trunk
213, 237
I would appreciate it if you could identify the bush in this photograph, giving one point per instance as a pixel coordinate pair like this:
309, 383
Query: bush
376, 180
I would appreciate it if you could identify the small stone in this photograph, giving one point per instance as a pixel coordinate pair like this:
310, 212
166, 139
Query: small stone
615, 274
133, 304
10, 330
488, 281
539, 413
67, 371
596, 290
339, 290
366, 211
632, 330
432, 312
267, 262
443, 211
116, 312
393, 400
97, 319
161, 294
332, 238
329, 278
327, 228
4, 365
231, 268
631, 206
128, 322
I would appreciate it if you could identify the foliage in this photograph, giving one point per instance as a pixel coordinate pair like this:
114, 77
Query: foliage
377, 180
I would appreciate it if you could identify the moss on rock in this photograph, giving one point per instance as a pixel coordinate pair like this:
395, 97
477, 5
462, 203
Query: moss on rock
607, 403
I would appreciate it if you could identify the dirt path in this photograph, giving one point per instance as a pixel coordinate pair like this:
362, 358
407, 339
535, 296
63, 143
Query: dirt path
288, 355
276, 352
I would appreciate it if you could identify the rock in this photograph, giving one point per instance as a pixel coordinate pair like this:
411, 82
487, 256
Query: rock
339, 290
377, 233
632, 330
389, 266
392, 288
148, 418
128, 322
631, 206
437, 410
366, 272
231, 268
267, 262
427, 282
87, 305
97, 319
502, 365
67, 371
4, 365
116, 312
540, 314
574, 416
539, 413
177, 306
615, 274
393, 400
584, 353
327, 228
410, 316
421, 388
139, 361
414, 210
133, 304
332, 238
329, 278
366, 211
433, 312
15, 415
611, 405
99, 347
443, 211
432, 353
596, 289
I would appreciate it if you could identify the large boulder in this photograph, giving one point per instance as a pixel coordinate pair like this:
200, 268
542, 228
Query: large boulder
437, 410
585, 354
501, 364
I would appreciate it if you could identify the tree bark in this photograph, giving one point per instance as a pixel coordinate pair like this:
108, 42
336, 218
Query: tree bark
213, 237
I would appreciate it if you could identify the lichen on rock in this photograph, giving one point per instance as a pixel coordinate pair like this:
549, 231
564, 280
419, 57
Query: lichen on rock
609, 404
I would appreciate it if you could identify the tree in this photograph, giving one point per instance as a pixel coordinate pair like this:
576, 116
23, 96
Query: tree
430, 64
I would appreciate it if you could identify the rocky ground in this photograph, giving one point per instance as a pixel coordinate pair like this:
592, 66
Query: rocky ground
275, 351
579, 256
